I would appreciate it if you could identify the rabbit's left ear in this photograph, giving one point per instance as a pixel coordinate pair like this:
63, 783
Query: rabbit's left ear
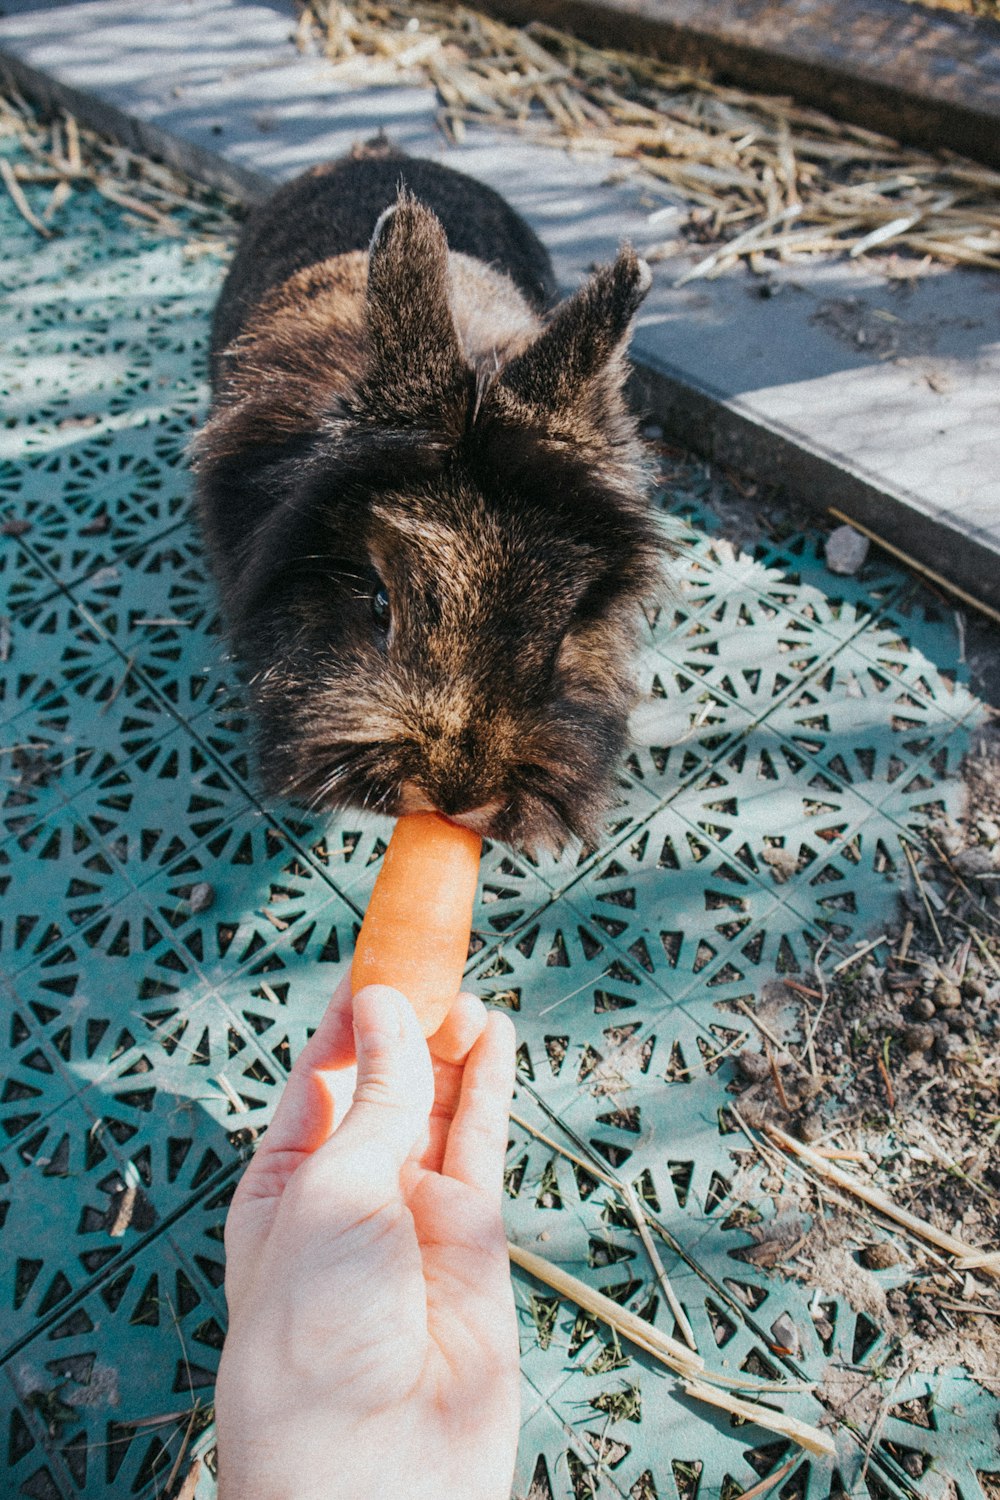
416, 373
582, 345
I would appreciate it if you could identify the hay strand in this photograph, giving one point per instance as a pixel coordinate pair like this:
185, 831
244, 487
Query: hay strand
747, 166
968, 1257
668, 1352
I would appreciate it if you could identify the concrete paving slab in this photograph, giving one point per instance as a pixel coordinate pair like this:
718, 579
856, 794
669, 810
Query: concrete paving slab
849, 388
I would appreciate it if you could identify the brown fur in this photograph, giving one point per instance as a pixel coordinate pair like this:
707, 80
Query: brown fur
403, 418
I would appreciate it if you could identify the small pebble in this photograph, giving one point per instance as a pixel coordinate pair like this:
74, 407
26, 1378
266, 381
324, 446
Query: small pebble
949, 1047
923, 1008
974, 861
974, 987
846, 550
202, 896
810, 1127
947, 996
752, 1065
879, 1255
824, 1328
918, 1038
786, 1335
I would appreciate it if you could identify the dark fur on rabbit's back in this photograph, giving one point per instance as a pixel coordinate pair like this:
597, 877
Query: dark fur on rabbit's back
334, 208
426, 506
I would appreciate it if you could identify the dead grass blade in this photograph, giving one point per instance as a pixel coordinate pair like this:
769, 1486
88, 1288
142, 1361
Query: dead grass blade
67, 158
747, 166
632, 1202
669, 1352
20, 201
968, 1257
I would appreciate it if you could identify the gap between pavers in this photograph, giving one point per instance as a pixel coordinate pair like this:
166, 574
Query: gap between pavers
843, 388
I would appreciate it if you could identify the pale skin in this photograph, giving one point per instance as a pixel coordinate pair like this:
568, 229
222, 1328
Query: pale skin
372, 1346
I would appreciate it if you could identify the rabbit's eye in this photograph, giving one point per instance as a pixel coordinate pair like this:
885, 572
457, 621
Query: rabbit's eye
381, 608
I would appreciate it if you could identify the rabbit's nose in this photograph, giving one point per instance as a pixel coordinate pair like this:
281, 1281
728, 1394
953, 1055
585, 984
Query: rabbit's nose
459, 788
456, 800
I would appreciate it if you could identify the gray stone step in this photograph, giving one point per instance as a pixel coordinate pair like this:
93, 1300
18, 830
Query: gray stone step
927, 76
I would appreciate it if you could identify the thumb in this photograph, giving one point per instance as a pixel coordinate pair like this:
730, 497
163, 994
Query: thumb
395, 1081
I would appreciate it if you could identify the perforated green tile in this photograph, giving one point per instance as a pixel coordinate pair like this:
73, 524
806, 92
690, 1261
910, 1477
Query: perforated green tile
793, 728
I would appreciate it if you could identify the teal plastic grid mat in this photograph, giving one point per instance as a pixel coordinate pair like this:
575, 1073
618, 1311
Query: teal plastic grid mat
794, 727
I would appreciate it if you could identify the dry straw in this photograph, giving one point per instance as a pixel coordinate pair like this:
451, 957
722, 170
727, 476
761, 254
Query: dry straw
968, 1257
669, 1352
63, 158
762, 177
682, 1359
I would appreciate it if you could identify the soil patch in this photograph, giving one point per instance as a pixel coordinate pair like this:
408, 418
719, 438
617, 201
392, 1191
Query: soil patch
901, 1087
901, 1082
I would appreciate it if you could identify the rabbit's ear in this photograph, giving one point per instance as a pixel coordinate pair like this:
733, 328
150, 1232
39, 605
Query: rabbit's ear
416, 372
582, 343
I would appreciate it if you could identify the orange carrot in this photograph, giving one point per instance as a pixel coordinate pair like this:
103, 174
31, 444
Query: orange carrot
415, 933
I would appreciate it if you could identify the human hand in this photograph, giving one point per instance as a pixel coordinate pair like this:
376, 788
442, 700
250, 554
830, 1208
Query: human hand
372, 1347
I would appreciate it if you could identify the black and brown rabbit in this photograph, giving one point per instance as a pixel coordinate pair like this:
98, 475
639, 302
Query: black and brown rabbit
426, 502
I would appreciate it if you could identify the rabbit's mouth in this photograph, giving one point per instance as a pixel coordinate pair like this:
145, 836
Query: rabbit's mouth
481, 819
536, 806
